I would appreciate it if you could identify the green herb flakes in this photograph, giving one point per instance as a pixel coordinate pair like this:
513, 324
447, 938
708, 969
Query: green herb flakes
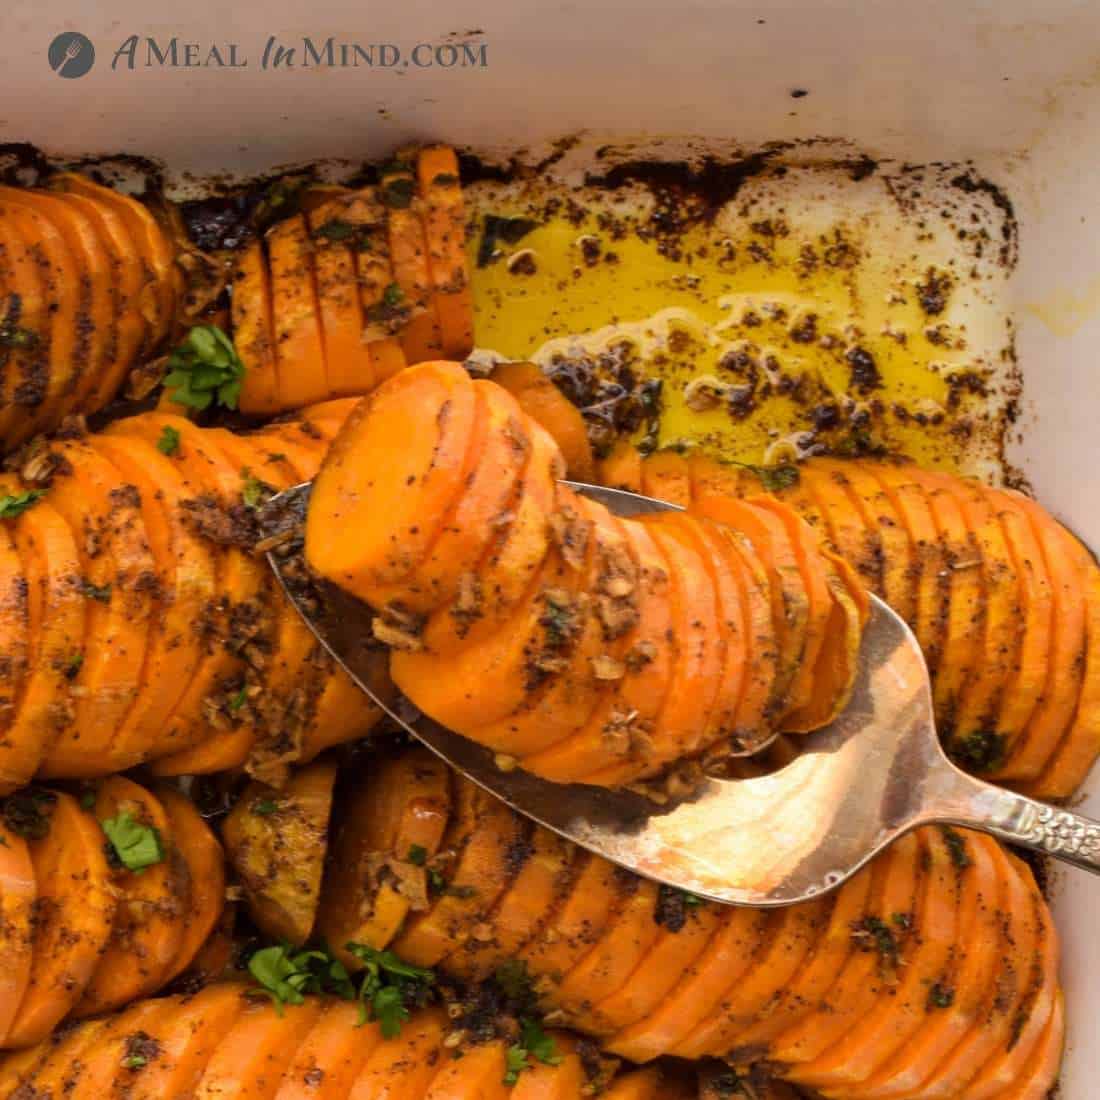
136, 846
205, 370
15, 504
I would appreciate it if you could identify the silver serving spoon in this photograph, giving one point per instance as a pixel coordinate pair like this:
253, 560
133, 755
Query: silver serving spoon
873, 774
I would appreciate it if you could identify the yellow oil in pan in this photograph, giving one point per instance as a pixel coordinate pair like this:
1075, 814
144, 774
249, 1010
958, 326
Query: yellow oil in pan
809, 308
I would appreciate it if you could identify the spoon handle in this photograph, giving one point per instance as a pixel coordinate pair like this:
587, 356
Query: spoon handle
1051, 830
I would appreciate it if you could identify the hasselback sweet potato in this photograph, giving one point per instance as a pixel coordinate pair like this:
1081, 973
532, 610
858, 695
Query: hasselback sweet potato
126, 885
89, 288
1002, 598
137, 622
909, 981
545, 675
226, 1041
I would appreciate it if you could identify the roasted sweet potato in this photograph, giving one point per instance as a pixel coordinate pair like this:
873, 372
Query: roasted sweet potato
530, 682
126, 886
222, 1041
999, 595
899, 984
275, 841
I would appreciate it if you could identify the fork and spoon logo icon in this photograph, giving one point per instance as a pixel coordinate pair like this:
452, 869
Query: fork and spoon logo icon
71, 54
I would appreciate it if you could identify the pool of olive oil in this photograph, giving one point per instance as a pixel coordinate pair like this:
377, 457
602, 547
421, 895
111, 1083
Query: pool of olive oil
816, 309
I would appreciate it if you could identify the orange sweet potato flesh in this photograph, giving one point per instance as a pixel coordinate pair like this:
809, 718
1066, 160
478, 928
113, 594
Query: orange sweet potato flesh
278, 850
426, 439
333, 1053
205, 862
544, 402
147, 931
18, 892
55, 633
18, 760
254, 332
403, 1068
76, 912
444, 219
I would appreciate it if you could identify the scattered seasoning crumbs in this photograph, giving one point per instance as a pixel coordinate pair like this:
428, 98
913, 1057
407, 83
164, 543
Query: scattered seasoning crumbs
252, 490
15, 504
27, 812
773, 478
418, 854
136, 846
940, 996
101, 592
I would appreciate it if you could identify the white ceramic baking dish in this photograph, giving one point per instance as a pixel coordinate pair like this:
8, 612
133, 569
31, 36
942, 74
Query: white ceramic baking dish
1013, 87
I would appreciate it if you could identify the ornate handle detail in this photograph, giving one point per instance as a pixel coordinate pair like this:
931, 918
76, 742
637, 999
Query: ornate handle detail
1048, 829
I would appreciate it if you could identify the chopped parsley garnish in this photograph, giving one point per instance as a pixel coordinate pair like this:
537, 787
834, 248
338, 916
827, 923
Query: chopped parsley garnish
135, 1061
238, 700
252, 489
169, 441
940, 996
287, 975
15, 504
265, 807
136, 846
773, 478
418, 854
533, 1043
282, 199
87, 800
514, 981
73, 666
389, 983
692, 901
872, 934
205, 370
393, 295
14, 338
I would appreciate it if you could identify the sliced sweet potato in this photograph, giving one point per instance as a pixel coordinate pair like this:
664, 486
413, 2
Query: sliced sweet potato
254, 1053
331, 1055
186, 1037
611, 961
728, 955
17, 761
348, 365
653, 1083
1033, 656
160, 299
869, 970
490, 678
565, 1079
385, 842
542, 875
930, 566
205, 862
54, 1064
621, 468
74, 918
623, 724
343, 713
116, 579
540, 399
186, 575
444, 218
1068, 573
299, 354
479, 1072
147, 932
964, 627
254, 332
666, 476
33, 399
494, 462
591, 899
1041, 1074
95, 346
423, 420
402, 1068
126, 276
18, 894
928, 942
1005, 996
276, 842
593, 660
975, 957
420, 337
749, 998
1066, 770
480, 874
682, 937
